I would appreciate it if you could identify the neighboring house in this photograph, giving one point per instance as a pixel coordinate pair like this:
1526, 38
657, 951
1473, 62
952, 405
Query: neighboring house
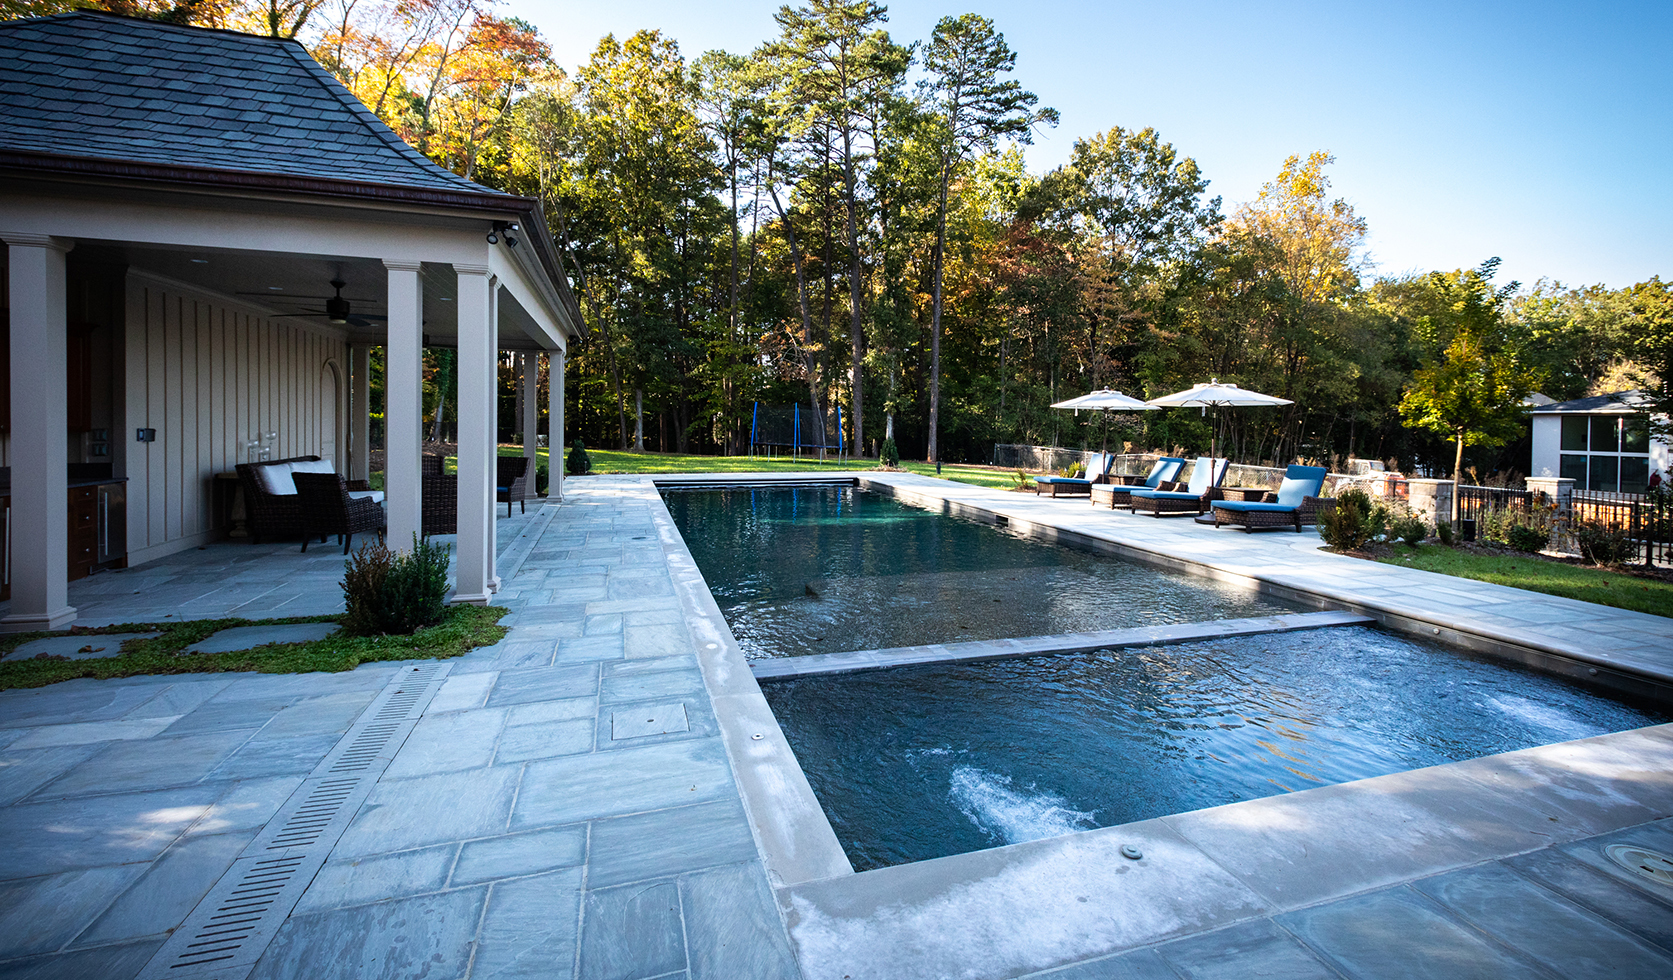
1602, 443
175, 203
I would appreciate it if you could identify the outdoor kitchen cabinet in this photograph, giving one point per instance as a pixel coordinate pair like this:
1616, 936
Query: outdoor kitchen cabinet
98, 525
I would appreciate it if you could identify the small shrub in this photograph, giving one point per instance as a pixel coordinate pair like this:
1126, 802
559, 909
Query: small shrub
1408, 527
541, 480
1443, 530
1353, 522
1024, 481
889, 455
1603, 543
390, 594
578, 462
1524, 537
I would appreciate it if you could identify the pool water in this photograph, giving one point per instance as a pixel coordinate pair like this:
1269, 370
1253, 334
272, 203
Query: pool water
921, 762
834, 569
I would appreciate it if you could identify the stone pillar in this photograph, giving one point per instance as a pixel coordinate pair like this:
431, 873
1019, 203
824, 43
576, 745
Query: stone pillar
555, 363
40, 422
360, 412
403, 411
1560, 489
478, 372
529, 369
1431, 498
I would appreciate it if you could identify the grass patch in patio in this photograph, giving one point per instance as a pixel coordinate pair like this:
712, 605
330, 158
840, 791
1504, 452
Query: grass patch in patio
462, 628
1604, 586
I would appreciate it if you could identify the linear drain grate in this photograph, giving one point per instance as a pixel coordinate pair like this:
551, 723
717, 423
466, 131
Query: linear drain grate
229, 930
1642, 862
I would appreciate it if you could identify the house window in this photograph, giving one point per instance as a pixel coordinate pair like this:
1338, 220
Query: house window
1605, 453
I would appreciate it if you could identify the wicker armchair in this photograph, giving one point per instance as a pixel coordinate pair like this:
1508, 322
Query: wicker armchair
271, 515
511, 480
440, 501
327, 508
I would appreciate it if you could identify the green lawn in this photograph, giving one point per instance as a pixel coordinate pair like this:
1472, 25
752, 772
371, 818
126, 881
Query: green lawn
1604, 586
610, 461
462, 628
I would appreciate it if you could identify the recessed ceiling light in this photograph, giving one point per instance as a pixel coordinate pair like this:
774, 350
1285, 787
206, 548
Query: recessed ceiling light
275, 287
201, 261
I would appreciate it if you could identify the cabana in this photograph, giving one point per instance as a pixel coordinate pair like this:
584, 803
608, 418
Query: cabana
206, 238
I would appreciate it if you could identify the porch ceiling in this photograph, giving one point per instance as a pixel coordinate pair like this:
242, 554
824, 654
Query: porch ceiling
291, 285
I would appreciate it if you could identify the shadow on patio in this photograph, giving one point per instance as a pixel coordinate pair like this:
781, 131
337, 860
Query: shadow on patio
230, 578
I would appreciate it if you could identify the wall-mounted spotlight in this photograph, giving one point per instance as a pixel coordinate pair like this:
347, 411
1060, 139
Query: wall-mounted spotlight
505, 228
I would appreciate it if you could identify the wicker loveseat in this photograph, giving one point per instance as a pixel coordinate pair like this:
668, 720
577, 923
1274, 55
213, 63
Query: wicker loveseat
270, 498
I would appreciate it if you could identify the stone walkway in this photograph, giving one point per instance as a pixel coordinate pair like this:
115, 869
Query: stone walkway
604, 795
533, 824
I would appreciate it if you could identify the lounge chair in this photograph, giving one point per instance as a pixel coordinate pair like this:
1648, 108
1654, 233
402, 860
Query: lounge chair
1096, 467
1193, 498
1120, 488
1297, 502
329, 508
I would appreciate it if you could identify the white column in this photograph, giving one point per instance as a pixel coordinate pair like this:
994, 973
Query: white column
554, 422
529, 365
477, 391
493, 433
403, 411
40, 425
360, 412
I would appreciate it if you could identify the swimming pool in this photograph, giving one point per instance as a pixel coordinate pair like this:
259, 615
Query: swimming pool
811, 570
921, 762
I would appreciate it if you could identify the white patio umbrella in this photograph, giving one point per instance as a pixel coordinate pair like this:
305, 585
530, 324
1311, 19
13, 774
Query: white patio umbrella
1216, 395
1106, 400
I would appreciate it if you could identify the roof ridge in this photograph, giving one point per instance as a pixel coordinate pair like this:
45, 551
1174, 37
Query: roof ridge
147, 21
369, 119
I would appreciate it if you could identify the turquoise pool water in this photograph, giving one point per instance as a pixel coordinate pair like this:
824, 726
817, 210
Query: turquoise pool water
834, 569
922, 762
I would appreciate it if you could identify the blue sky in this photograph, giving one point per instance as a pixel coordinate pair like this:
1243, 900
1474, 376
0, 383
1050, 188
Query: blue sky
1538, 132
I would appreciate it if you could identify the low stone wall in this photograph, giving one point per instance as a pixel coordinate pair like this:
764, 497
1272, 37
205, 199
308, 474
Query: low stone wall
1238, 475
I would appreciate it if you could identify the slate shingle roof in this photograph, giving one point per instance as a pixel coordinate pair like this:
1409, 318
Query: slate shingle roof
1619, 402
115, 88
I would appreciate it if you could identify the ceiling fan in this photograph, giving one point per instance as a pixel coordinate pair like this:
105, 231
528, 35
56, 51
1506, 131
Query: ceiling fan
337, 309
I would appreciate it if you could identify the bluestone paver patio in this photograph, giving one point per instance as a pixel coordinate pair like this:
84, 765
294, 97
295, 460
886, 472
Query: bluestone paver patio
589, 798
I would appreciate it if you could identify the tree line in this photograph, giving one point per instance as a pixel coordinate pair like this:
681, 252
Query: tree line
840, 218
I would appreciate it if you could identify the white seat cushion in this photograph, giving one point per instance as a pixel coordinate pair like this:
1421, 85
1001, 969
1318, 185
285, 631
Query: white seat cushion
275, 479
376, 495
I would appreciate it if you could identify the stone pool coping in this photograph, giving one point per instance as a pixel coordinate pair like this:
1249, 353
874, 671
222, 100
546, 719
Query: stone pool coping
1007, 912
781, 668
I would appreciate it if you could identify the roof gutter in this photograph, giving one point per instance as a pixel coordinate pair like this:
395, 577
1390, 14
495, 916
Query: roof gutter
526, 209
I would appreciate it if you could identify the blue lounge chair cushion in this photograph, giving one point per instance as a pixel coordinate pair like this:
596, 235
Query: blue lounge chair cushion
1166, 468
1167, 494
1300, 482
1245, 506
1062, 480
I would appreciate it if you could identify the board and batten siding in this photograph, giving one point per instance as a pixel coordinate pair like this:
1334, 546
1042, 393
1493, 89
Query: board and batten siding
210, 375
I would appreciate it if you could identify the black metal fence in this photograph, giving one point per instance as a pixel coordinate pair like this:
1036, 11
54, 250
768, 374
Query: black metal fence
1646, 520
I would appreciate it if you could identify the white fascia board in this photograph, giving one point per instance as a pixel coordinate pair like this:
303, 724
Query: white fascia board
521, 274
247, 224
